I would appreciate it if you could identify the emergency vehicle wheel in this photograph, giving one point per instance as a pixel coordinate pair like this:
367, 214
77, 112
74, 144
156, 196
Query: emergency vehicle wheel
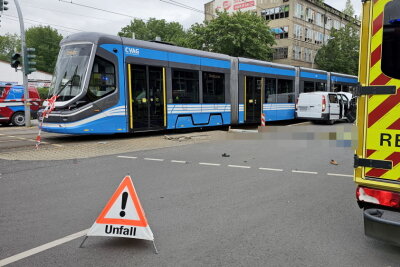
18, 119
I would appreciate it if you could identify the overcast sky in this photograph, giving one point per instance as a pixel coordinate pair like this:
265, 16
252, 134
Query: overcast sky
69, 18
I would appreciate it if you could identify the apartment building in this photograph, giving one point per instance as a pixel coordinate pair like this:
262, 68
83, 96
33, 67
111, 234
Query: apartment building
301, 27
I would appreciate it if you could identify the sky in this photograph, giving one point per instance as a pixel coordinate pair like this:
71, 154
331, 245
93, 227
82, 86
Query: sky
68, 18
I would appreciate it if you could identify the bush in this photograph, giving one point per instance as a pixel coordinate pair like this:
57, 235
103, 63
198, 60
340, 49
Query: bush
43, 92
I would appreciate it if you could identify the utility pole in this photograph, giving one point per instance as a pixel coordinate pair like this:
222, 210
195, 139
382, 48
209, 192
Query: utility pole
24, 69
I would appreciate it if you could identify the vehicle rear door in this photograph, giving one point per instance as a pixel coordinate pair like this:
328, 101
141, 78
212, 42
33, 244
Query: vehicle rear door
310, 106
334, 107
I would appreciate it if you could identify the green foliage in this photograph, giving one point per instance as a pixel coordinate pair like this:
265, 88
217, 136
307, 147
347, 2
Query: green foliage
9, 43
43, 92
341, 52
242, 34
349, 9
46, 42
171, 32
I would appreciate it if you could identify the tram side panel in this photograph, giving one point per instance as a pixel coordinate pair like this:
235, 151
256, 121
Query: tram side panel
266, 88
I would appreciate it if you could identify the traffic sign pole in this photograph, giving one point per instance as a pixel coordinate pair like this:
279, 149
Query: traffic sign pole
25, 75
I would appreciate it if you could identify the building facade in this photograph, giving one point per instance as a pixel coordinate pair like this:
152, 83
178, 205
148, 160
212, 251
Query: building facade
8, 75
301, 27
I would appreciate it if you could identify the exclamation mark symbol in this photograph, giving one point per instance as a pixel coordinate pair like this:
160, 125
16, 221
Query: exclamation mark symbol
123, 204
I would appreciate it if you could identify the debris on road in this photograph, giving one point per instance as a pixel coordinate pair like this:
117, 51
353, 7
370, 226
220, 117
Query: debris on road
333, 162
225, 155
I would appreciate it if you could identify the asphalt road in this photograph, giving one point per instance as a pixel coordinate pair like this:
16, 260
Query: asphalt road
273, 202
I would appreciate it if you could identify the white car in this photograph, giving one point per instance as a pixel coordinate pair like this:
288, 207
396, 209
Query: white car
326, 106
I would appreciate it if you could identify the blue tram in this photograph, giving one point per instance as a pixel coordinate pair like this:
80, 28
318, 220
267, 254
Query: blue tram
107, 84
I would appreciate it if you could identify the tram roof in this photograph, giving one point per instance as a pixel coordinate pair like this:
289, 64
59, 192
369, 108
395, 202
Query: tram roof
100, 38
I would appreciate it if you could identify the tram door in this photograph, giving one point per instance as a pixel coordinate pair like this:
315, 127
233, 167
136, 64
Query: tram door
146, 93
253, 100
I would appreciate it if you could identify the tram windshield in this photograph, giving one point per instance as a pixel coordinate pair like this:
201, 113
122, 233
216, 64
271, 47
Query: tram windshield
70, 71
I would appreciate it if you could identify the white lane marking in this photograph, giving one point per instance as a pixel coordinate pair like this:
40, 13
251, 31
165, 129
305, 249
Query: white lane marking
209, 164
153, 159
42, 248
127, 157
340, 175
237, 166
179, 161
306, 172
11, 136
21, 138
269, 169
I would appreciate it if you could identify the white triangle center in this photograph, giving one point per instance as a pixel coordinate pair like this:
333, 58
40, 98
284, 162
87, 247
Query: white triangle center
117, 210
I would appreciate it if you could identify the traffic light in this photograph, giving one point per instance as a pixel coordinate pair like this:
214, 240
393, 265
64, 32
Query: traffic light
3, 5
15, 60
28, 63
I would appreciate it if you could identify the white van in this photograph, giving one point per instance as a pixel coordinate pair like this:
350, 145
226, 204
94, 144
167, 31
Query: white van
326, 106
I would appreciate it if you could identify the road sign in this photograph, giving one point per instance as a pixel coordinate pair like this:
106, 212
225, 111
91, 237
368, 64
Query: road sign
123, 216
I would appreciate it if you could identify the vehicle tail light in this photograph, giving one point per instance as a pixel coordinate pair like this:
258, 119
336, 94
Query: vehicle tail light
297, 102
377, 196
323, 103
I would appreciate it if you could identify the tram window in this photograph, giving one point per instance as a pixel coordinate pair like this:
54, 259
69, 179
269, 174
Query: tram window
102, 79
345, 88
309, 87
285, 91
320, 87
391, 40
270, 90
213, 87
336, 88
185, 86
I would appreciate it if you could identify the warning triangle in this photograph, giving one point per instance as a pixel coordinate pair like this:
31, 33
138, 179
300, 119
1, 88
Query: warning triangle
123, 215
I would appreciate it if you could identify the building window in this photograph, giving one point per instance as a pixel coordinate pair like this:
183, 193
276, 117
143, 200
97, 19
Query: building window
309, 35
298, 32
328, 24
310, 15
185, 86
336, 24
297, 52
285, 91
280, 53
307, 55
299, 11
281, 33
102, 81
319, 37
213, 87
319, 19
276, 12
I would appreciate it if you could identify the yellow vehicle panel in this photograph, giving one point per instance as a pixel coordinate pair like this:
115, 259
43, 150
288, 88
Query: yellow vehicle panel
378, 117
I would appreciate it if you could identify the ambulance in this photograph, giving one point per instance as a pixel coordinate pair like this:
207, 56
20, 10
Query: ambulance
377, 157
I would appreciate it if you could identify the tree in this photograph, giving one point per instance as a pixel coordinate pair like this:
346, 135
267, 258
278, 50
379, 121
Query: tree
171, 32
9, 43
46, 41
349, 9
242, 34
341, 52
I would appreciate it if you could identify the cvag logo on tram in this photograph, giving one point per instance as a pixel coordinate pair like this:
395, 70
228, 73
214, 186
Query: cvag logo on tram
132, 51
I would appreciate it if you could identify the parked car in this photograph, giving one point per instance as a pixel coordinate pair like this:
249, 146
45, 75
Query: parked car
326, 106
12, 104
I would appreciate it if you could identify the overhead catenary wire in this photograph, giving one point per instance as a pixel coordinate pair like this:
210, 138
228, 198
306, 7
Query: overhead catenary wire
44, 23
70, 13
31, 23
100, 9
